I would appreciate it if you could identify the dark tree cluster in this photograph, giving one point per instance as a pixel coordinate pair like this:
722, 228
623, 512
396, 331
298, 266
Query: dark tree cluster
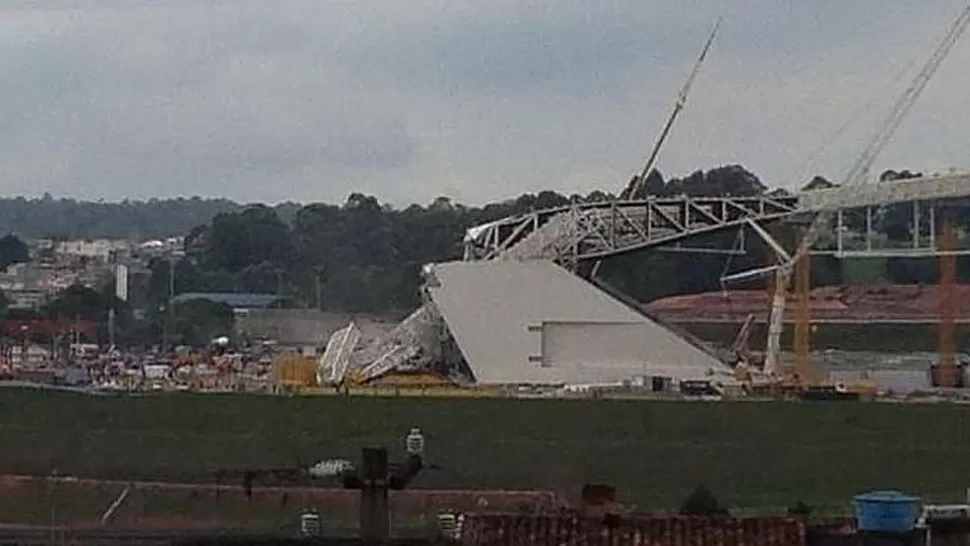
366, 256
729, 180
12, 251
154, 218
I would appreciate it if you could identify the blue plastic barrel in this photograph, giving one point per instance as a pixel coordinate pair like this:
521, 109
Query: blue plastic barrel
886, 511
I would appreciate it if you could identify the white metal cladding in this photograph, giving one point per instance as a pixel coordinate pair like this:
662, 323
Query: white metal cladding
613, 351
333, 365
884, 193
495, 310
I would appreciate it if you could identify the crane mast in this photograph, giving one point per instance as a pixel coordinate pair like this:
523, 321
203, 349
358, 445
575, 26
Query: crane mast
857, 174
678, 106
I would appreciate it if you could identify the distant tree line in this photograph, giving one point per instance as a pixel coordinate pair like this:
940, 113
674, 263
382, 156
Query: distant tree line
154, 218
365, 256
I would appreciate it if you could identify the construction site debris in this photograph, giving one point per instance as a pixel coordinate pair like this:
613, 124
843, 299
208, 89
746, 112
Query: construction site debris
420, 342
333, 364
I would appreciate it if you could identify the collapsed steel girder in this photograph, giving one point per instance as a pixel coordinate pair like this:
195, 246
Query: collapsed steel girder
593, 230
596, 230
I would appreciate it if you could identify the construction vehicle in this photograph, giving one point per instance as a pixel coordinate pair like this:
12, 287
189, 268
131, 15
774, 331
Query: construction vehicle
786, 380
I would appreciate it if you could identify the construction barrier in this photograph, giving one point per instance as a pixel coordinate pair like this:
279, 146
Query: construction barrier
294, 371
518, 530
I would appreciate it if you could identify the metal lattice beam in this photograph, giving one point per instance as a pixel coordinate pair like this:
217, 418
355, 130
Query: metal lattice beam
595, 230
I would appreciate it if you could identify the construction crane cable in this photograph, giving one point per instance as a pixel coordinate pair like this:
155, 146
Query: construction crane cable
907, 99
856, 174
902, 106
678, 106
737, 246
873, 101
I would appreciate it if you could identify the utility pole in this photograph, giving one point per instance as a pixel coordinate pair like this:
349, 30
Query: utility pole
166, 323
319, 270
111, 327
53, 526
374, 481
374, 478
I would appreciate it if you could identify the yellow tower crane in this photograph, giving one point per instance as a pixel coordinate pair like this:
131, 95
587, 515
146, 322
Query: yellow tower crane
803, 317
948, 272
857, 174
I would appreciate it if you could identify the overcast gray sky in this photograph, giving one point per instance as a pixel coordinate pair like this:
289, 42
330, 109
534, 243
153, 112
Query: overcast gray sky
475, 99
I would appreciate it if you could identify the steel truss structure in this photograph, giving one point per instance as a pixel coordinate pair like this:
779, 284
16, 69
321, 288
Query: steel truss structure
590, 231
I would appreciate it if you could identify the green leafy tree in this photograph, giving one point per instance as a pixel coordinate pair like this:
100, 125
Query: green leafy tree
12, 251
77, 301
367, 256
702, 502
235, 241
198, 322
69, 218
800, 510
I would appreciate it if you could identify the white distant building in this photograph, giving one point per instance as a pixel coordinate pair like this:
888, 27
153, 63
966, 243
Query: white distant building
25, 299
159, 247
42, 244
98, 249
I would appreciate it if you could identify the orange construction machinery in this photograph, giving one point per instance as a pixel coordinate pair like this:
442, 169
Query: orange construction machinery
295, 371
821, 224
800, 379
948, 371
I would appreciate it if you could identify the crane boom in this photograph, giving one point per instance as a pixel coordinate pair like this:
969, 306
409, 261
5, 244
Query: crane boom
678, 106
856, 174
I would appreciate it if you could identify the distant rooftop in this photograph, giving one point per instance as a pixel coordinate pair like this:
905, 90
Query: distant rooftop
235, 300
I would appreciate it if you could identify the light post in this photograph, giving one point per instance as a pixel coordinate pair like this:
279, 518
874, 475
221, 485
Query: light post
53, 507
319, 270
279, 281
25, 330
169, 311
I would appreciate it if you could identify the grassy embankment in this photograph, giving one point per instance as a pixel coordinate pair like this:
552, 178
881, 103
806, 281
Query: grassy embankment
750, 454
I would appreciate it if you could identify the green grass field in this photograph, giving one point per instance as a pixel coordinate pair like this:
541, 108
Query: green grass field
751, 454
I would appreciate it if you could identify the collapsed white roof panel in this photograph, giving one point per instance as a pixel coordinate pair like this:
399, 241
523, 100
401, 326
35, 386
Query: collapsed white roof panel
496, 311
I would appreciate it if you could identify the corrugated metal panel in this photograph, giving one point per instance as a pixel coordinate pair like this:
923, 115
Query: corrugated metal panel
515, 530
495, 312
336, 357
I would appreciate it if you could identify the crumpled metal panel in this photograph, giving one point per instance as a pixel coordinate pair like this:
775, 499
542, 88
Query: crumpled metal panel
519, 530
554, 239
336, 358
417, 343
